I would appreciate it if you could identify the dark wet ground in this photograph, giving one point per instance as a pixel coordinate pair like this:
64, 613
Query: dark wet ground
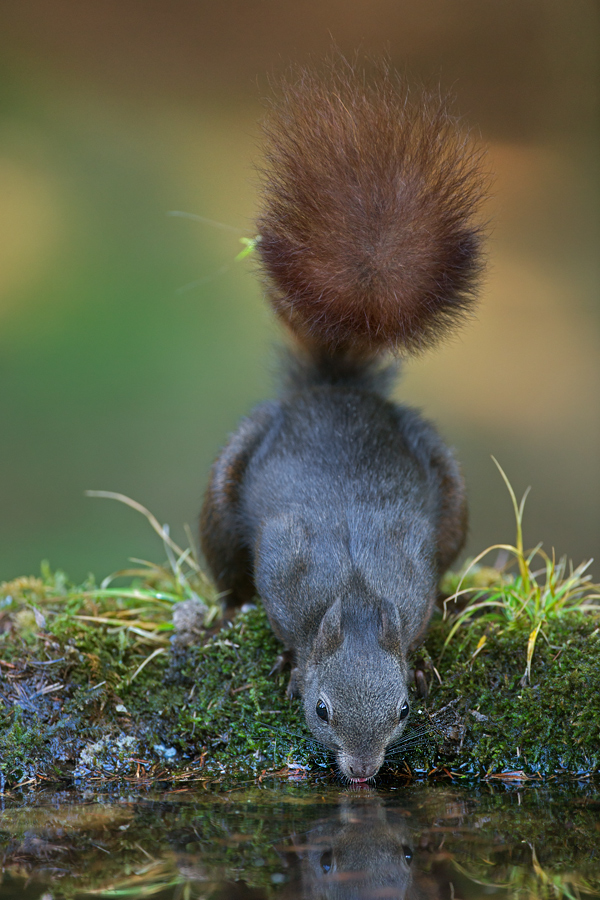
304, 840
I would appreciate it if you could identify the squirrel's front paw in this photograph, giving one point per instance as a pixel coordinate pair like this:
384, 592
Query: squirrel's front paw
420, 679
293, 688
284, 659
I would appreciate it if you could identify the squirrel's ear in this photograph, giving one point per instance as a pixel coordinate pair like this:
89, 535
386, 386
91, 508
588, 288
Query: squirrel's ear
390, 628
329, 636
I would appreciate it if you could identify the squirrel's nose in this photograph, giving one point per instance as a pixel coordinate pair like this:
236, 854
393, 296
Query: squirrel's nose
359, 767
361, 771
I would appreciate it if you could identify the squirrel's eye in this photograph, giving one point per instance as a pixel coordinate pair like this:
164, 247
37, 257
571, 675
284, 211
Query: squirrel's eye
404, 710
322, 711
326, 861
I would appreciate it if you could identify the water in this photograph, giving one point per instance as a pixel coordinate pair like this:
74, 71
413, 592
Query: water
304, 840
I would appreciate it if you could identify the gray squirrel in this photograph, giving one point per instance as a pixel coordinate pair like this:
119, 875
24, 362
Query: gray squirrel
339, 507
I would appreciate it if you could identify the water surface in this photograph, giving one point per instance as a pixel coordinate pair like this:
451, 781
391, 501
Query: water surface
304, 840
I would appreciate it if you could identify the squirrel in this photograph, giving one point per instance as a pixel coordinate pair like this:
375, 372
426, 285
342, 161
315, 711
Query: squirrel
340, 508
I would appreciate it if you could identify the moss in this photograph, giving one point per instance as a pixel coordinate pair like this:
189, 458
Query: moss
543, 727
76, 703
110, 696
218, 701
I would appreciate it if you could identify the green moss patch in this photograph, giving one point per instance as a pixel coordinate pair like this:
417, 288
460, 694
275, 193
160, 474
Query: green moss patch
505, 723
88, 692
93, 688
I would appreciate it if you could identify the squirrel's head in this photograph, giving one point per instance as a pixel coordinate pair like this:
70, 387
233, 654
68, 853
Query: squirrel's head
355, 688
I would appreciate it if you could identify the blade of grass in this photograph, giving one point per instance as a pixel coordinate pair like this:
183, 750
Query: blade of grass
518, 509
531, 647
158, 528
473, 563
147, 660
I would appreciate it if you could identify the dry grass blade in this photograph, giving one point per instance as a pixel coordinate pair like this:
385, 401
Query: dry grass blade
518, 509
184, 564
146, 661
531, 647
158, 528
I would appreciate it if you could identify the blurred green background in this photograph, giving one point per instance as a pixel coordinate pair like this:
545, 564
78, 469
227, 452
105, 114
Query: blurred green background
117, 373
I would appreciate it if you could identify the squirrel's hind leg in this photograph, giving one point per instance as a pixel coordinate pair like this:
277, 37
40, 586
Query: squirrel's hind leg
222, 540
454, 514
437, 459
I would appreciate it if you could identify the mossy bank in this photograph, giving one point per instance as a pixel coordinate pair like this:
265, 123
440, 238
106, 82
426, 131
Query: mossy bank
90, 695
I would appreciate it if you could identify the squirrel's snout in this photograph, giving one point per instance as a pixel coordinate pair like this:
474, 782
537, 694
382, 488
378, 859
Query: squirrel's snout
358, 768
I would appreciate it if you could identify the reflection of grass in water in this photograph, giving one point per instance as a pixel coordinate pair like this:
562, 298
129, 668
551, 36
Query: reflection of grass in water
153, 878
195, 842
532, 882
536, 595
153, 843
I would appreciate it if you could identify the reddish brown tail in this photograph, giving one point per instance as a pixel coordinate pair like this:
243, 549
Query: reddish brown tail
369, 225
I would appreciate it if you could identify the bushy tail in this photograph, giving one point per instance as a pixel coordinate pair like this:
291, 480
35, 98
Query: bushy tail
369, 231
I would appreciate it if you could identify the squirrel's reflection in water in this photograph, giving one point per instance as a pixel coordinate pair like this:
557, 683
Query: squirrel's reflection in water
363, 851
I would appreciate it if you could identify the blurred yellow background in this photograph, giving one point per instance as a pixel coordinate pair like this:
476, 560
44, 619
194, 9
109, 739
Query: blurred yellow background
131, 342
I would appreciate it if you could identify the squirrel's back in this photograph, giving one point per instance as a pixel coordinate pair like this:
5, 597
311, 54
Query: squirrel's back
369, 229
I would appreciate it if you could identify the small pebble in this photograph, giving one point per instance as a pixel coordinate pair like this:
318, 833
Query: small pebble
165, 752
188, 620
